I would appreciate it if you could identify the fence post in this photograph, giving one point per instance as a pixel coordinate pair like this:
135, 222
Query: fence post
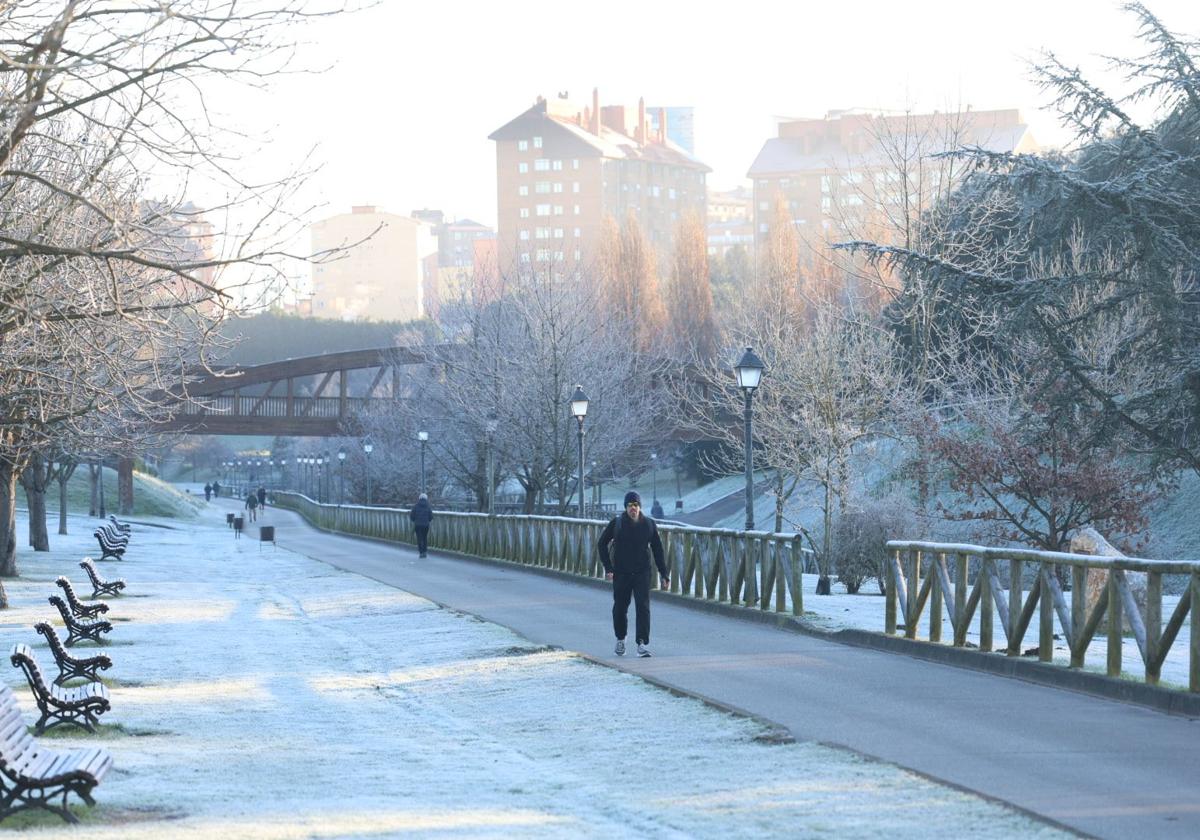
1115, 639
935, 599
890, 596
1194, 652
798, 580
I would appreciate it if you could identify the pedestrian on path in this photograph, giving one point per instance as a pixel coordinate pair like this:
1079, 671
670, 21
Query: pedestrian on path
633, 537
207, 492
262, 498
216, 489
252, 505
421, 516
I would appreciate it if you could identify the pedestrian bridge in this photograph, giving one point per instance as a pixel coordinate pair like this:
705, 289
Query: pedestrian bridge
314, 396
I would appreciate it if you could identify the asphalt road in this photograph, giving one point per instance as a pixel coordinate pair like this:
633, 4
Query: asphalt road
1098, 766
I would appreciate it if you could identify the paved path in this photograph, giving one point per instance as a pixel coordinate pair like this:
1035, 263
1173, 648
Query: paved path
1099, 766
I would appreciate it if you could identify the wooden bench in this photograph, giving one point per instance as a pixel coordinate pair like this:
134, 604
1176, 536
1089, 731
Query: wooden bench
34, 776
121, 527
79, 630
80, 609
70, 667
80, 706
108, 546
100, 586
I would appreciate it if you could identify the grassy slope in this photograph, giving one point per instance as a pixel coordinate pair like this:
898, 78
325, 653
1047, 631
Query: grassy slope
151, 497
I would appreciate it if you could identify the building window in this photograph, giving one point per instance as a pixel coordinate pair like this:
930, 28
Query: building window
542, 187
523, 190
558, 210
762, 228
558, 166
524, 236
542, 164
557, 186
854, 200
654, 191
558, 255
575, 163
525, 258
522, 167
543, 255
578, 233
671, 193
522, 145
575, 187
558, 233
542, 210
542, 233
576, 256
576, 209
825, 183
762, 205
524, 212
537, 142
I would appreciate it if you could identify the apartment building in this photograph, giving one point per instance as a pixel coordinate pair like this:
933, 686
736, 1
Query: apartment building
729, 221
561, 170
833, 171
382, 274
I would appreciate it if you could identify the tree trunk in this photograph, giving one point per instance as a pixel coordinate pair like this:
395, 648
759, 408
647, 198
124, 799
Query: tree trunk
94, 475
824, 584
8, 522
62, 500
125, 487
779, 501
33, 479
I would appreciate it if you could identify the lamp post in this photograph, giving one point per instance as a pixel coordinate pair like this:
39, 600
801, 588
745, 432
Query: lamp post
320, 479
597, 499
424, 438
654, 475
283, 482
579, 407
749, 371
342, 475
367, 447
493, 422
328, 477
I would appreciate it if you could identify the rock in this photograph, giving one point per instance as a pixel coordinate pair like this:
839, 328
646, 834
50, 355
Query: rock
1090, 541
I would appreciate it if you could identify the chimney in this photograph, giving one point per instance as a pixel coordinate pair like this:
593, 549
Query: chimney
596, 111
641, 124
662, 126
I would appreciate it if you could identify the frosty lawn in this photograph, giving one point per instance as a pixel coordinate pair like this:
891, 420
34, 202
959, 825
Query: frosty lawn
262, 694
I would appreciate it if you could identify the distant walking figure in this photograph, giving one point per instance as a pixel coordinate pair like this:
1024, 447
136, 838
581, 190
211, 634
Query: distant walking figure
252, 505
216, 489
262, 497
656, 510
207, 492
633, 537
421, 516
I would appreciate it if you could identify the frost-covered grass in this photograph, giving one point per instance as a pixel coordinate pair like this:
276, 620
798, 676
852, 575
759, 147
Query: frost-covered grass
151, 497
260, 694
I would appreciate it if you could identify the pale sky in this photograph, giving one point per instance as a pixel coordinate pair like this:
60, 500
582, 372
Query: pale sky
401, 120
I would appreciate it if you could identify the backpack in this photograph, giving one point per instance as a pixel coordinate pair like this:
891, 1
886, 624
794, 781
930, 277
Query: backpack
612, 546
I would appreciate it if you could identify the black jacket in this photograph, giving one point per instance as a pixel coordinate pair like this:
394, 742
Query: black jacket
632, 546
421, 513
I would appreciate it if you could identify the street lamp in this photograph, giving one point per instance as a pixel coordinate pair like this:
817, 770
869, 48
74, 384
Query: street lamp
342, 475
424, 438
320, 479
328, 476
493, 423
283, 482
367, 447
749, 371
579, 407
597, 500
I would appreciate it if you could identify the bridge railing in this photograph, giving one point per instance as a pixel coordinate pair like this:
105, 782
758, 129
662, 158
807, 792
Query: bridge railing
756, 569
991, 581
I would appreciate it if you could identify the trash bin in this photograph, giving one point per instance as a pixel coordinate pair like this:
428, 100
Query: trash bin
238, 523
266, 533
229, 519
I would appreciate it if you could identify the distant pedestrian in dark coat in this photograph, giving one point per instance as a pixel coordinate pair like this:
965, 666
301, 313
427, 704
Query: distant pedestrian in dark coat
252, 505
207, 492
216, 489
421, 516
634, 537
262, 497
656, 510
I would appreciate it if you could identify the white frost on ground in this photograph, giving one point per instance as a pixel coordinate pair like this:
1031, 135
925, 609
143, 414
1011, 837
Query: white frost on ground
261, 694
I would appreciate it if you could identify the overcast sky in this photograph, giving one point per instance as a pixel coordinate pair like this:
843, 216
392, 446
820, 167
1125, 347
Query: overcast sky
402, 117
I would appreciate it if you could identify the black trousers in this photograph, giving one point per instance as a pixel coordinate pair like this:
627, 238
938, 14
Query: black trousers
636, 584
422, 539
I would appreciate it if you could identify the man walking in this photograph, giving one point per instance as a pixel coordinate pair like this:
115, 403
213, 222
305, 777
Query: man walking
421, 516
633, 537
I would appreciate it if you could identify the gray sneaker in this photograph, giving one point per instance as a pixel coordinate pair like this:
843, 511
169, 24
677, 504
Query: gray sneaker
643, 651
620, 647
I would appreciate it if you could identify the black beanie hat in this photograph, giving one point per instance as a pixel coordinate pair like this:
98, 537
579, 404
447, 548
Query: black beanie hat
631, 497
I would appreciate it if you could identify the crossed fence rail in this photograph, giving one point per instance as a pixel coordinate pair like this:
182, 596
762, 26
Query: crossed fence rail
919, 575
756, 569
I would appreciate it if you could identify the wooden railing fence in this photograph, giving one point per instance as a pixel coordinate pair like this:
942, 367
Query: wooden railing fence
990, 580
756, 569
